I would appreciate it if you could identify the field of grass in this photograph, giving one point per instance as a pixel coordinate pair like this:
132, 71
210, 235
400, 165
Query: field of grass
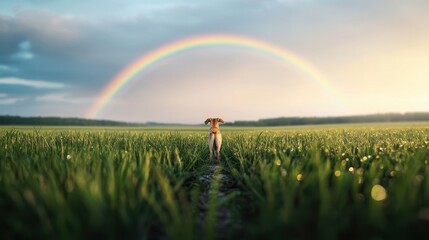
330, 182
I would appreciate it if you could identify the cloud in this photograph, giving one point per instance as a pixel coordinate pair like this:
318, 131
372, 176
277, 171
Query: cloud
8, 101
24, 51
62, 97
5, 100
31, 83
47, 25
69, 49
40, 31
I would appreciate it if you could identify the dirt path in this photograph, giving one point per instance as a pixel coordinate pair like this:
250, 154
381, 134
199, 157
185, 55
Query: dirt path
215, 218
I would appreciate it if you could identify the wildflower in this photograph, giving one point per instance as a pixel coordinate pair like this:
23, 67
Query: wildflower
68, 157
277, 162
299, 177
351, 169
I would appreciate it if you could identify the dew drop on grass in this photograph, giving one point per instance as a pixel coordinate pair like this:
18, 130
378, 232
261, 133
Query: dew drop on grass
378, 193
337, 173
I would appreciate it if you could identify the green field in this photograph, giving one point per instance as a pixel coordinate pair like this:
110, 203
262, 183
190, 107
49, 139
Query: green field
329, 182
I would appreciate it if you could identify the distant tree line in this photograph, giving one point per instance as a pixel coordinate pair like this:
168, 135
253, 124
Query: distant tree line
283, 121
290, 121
58, 121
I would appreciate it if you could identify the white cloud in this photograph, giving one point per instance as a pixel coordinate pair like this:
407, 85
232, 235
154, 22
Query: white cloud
31, 83
23, 55
61, 97
10, 101
24, 51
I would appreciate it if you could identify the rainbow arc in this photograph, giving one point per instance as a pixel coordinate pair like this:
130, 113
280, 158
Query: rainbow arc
142, 63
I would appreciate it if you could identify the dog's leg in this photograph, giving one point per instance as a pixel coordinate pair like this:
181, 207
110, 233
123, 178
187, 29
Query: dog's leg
211, 144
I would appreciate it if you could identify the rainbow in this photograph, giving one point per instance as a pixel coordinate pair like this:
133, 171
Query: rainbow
163, 52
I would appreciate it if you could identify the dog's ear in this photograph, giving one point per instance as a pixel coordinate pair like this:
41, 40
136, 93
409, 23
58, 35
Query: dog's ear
207, 121
220, 120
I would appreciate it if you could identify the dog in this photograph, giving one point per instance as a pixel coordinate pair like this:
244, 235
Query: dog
214, 136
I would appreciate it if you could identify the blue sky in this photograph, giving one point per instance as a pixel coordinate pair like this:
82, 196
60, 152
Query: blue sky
56, 56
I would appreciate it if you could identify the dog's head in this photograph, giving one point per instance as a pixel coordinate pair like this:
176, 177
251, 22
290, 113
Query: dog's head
214, 121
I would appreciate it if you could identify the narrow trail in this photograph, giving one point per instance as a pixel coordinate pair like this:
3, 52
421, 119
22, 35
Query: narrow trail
214, 214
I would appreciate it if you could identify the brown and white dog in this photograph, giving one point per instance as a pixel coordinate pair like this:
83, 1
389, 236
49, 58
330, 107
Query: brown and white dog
215, 138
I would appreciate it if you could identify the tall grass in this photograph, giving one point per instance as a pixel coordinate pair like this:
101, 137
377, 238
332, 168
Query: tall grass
316, 183
108, 184
321, 183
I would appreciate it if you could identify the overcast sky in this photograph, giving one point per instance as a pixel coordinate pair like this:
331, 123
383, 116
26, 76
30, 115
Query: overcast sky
56, 57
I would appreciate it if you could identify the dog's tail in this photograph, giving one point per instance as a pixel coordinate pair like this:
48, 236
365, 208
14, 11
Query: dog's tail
217, 141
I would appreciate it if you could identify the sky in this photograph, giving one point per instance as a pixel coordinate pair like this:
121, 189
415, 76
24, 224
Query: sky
56, 56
